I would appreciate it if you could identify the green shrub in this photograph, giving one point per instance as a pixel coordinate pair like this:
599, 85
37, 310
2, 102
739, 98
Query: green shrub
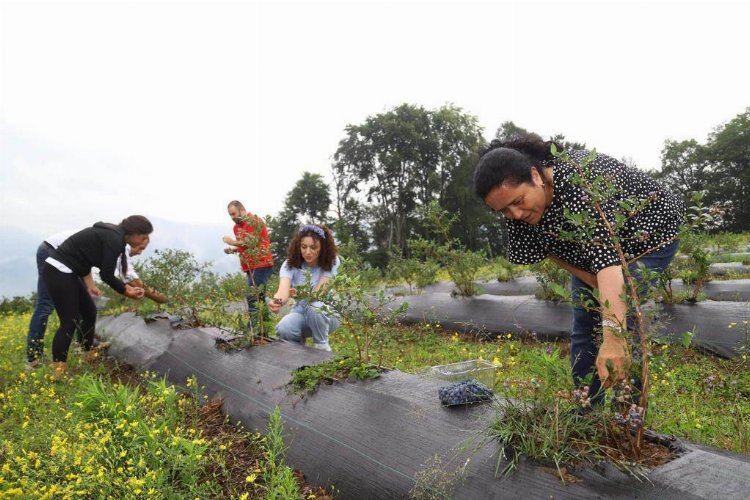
17, 305
281, 483
553, 280
463, 266
505, 270
308, 378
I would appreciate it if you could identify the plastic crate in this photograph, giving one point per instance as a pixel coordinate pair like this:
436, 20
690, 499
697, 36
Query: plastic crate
478, 369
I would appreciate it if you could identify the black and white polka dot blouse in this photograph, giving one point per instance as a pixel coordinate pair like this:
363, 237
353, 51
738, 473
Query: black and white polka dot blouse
650, 229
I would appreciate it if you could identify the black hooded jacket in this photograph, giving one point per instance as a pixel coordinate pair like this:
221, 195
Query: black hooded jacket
97, 246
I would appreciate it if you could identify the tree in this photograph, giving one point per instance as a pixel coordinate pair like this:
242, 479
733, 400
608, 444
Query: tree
400, 160
282, 228
309, 199
684, 166
379, 158
729, 155
566, 144
476, 227
307, 202
720, 167
351, 224
508, 131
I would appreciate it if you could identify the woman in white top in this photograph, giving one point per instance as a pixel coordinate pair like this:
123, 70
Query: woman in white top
313, 251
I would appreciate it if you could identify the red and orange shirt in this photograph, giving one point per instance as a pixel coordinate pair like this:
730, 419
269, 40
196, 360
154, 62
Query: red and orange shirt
253, 258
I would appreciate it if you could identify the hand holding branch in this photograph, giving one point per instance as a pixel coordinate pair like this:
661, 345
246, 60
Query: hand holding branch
613, 361
134, 292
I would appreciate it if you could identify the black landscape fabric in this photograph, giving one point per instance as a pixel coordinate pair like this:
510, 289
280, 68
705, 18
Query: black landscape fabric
729, 290
717, 327
370, 438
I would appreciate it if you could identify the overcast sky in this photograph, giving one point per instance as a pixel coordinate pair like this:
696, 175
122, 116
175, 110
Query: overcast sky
173, 109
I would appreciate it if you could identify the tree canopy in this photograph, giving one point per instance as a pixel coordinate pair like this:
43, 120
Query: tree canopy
400, 160
307, 202
393, 164
720, 167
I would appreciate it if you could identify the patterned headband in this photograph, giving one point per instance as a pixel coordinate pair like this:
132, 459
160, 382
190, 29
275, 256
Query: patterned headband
315, 229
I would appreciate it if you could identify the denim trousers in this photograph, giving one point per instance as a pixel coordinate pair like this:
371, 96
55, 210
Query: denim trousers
42, 309
586, 322
257, 278
305, 320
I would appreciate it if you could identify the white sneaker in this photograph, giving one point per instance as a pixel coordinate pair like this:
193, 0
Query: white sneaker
323, 346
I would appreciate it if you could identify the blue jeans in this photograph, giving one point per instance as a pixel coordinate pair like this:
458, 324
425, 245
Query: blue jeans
583, 347
42, 309
304, 321
257, 278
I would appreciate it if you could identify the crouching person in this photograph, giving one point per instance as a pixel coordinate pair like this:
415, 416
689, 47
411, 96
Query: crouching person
312, 251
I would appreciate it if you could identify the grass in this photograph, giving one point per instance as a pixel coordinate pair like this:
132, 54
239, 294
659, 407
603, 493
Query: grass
701, 398
694, 396
308, 378
103, 431
69, 437
415, 348
548, 429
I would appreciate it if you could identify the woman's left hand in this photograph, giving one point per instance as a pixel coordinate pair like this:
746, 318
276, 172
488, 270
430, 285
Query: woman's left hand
613, 361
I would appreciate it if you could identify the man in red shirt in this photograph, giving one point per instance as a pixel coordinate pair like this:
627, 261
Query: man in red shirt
252, 243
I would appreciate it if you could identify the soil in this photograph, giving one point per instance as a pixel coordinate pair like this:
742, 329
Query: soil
244, 455
121, 372
656, 449
240, 343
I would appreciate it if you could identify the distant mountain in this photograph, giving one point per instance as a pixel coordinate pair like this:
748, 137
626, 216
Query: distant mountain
18, 274
17, 261
15, 242
202, 240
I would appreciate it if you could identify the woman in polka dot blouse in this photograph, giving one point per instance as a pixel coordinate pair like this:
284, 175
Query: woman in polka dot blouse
533, 189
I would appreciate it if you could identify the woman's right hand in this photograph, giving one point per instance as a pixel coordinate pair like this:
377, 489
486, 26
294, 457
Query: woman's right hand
134, 292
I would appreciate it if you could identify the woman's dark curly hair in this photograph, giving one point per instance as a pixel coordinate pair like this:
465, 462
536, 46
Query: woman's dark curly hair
328, 251
511, 162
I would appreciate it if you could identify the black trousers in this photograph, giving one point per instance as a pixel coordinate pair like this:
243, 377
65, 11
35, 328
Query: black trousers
75, 308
